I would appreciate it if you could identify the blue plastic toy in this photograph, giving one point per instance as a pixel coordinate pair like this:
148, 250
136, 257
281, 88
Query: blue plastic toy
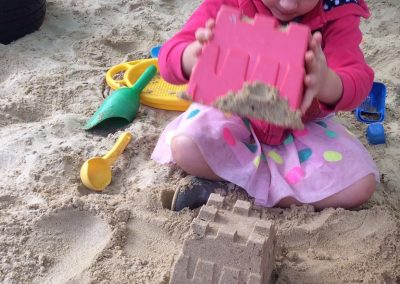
373, 108
154, 51
376, 133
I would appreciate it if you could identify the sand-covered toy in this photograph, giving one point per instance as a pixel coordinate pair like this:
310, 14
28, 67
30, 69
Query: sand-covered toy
245, 50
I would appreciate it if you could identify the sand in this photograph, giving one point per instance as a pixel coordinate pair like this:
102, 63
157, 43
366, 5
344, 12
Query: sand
53, 230
260, 101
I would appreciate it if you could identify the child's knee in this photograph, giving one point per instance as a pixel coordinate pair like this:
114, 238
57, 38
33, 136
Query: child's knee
181, 146
366, 188
351, 197
370, 185
177, 144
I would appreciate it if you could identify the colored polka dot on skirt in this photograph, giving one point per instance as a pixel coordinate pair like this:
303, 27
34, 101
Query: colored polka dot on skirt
294, 175
304, 154
256, 161
288, 140
330, 133
276, 157
246, 122
252, 147
193, 113
263, 158
332, 156
228, 137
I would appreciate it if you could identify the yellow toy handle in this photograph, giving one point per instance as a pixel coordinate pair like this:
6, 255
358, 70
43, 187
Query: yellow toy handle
158, 93
113, 71
118, 148
127, 67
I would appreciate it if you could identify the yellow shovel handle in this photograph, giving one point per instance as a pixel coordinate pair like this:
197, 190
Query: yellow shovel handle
118, 148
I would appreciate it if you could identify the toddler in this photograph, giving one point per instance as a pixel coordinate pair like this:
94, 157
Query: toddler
324, 164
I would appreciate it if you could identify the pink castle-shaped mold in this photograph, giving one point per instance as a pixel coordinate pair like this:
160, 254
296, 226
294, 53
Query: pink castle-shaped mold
250, 50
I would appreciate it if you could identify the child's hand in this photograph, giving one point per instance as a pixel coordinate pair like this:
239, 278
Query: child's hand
316, 69
320, 81
193, 50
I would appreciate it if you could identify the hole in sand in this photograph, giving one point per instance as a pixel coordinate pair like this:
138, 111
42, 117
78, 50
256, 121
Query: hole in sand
166, 197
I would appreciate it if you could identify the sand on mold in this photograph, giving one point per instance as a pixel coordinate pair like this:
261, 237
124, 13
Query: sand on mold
260, 101
53, 230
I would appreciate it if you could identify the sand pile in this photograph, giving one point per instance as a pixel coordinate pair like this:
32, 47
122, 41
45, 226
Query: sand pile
53, 230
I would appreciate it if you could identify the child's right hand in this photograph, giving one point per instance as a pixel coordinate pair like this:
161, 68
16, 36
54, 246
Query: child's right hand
193, 50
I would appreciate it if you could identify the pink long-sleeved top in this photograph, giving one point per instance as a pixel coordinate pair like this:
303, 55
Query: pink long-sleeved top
338, 21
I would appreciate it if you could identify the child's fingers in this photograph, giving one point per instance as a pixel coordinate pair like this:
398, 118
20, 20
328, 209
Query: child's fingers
209, 34
309, 95
310, 80
312, 43
305, 105
315, 42
309, 59
309, 56
200, 35
317, 36
203, 35
210, 24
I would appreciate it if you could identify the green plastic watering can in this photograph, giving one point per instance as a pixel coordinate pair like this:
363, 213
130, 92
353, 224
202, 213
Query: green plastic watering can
121, 107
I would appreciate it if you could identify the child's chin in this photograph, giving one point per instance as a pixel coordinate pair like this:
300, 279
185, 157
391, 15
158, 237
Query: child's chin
283, 17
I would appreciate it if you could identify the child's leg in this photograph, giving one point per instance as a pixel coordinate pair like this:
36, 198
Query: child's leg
350, 197
196, 191
188, 157
323, 164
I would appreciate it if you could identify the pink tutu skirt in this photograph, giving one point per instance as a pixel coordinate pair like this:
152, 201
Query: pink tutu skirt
310, 165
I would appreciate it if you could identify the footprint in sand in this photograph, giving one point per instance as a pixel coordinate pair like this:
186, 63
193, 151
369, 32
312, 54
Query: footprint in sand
72, 239
150, 242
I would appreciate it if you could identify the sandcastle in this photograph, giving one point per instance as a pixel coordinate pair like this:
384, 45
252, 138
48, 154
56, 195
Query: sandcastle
227, 245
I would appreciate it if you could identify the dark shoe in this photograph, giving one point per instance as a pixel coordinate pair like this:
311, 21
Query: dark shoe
193, 192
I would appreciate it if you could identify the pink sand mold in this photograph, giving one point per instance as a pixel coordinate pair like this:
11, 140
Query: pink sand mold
258, 50
227, 245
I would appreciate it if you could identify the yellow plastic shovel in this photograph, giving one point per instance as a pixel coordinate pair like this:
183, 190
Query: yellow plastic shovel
96, 172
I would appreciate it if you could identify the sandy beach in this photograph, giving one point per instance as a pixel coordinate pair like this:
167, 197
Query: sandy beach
54, 230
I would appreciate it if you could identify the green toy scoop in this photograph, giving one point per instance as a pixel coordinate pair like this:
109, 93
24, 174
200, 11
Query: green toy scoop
121, 107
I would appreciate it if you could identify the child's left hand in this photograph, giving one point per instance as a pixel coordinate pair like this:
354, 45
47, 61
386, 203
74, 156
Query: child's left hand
320, 81
316, 69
